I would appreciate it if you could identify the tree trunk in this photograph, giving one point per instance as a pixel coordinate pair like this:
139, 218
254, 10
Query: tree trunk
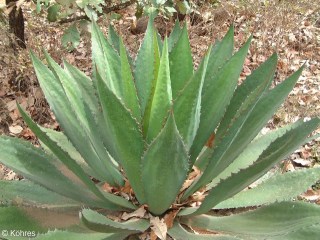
16, 24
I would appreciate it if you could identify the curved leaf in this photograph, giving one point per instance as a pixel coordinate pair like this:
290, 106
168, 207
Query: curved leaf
36, 165
178, 232
214, 98
280, 187
110, 200
278, 219
97, 222
26, 193
275, 152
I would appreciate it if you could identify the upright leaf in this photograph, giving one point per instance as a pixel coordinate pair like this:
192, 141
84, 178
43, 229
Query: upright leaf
107, 61
160, 99
174, 35
181, 65
130, 97
145, 70
164, 168
127, 141
218, 87
232, 145
187, 106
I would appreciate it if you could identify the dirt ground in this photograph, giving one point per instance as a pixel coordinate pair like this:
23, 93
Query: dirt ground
291, 29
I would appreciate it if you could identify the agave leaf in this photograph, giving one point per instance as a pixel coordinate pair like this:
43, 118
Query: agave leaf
188, 105
26, 193
110, 199
275, 152
14, 218
64, 143
232, 145
92, 109
217, 91
258, 117
253, 151
181, 65
213, 108
178, 232
244, 100
145, 69
59, 103
246, 96
37, 166
311, 232
58, 234
164, 168
281, 187
174, 35
99, 223
102, 164
160, 99
127, 141
130, 97
107, 61
113, 38
266, 222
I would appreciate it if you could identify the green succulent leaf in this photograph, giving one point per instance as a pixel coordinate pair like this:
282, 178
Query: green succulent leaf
146, 66
242, 103
27, 193
267, 222
164, 168
66, 117
102, 165
233, 144
187, 106
36, 165
14, 218
92, 109
275, 152
174, 35
258, 117
113, 38
178, 232
217, 91
111, 201
160, 99
181, 65
252, 152
99, 223
107, 62
280, 187
130, 97
127, 141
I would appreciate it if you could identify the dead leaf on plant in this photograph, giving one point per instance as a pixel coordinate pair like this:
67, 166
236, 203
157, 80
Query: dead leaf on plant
158, 227
139, 213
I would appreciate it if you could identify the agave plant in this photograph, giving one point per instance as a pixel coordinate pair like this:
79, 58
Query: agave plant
154, 146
